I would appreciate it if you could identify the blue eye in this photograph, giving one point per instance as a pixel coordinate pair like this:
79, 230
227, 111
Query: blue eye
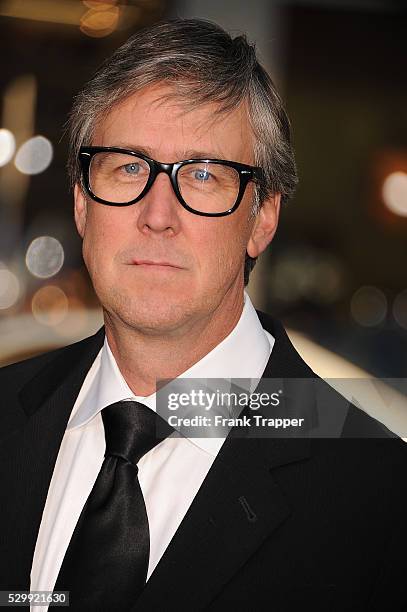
202, 175
133, 168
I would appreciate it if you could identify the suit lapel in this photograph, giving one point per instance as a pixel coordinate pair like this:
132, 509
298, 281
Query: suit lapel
238, 506
28, 456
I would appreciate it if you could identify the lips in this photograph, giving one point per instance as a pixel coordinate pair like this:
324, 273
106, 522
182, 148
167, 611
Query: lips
148, 262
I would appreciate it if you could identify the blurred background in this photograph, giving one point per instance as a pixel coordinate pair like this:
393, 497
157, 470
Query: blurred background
335, 273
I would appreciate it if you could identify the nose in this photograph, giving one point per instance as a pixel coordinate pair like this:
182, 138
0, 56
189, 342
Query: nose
159, 209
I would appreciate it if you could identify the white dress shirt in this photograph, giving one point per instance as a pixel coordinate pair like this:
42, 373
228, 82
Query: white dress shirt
170, 474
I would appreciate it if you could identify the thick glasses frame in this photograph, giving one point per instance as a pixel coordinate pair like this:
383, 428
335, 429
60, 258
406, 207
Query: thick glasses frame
246, 174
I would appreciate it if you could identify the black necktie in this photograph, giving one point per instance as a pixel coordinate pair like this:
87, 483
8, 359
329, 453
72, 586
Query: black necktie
105, 565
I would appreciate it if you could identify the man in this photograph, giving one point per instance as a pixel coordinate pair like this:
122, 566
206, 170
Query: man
180, 161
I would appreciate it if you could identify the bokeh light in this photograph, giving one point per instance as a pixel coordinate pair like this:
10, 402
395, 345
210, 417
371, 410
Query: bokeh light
368, 306
100, 20
44, 257
99, 3
9, 288
7, 146
76, 320
394, 193
400, 309
34, 156
49, 305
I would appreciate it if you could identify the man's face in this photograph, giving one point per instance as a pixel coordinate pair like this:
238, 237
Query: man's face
204, 256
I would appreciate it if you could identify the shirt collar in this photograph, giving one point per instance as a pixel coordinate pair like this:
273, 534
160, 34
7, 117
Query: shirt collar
242, 354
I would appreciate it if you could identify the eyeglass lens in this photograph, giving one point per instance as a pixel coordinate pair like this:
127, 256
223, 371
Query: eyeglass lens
206, 187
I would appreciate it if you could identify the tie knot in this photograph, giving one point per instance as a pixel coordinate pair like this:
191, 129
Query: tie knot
131, 430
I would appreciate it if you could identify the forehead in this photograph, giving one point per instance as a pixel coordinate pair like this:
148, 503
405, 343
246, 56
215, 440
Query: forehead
170, 130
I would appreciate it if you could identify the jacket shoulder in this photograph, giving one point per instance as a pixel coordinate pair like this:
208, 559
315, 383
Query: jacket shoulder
20, 372
15, 375
310, 388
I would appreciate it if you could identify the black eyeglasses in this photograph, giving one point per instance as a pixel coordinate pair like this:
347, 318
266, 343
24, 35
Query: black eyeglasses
208, 187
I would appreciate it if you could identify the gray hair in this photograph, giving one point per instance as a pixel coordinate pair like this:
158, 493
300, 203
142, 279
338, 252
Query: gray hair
204, 64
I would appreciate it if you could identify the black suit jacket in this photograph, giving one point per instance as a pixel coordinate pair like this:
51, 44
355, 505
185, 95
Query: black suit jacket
278, 524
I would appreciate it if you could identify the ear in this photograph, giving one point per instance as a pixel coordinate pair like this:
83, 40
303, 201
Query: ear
265, 226
80, 208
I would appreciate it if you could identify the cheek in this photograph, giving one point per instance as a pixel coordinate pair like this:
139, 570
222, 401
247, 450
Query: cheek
220, 253
101, 240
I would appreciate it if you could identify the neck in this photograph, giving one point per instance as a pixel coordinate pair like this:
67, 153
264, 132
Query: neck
144, 359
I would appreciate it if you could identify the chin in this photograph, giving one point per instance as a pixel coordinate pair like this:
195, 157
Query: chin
153, 313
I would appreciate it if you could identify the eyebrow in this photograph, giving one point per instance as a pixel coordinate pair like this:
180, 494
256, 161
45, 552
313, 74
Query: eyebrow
188, 154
